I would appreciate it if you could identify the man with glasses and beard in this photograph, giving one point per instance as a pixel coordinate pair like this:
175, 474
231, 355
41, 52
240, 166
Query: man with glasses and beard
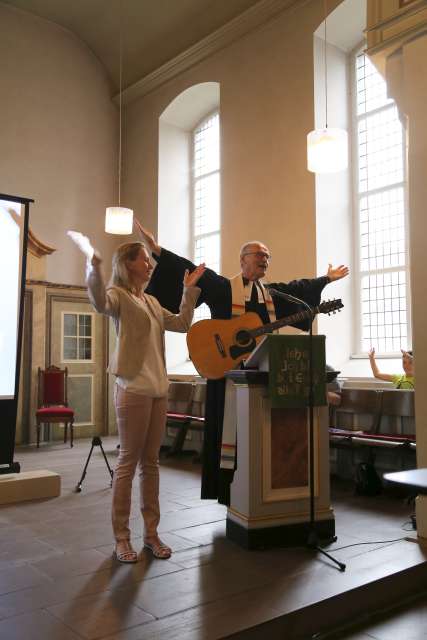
227, 298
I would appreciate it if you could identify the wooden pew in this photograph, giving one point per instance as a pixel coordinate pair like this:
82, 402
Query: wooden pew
377, 405
186, 411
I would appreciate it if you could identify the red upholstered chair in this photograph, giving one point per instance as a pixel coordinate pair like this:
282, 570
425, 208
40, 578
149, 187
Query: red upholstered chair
52, 401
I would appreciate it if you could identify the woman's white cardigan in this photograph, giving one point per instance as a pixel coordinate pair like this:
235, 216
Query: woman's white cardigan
133, 322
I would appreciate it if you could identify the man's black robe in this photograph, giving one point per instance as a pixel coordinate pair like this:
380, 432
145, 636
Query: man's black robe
166, 286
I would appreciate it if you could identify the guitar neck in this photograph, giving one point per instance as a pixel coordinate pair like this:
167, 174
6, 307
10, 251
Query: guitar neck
293, 319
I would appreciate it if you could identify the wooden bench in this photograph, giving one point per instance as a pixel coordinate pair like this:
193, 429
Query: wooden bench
376, 405
186, 411
400, 404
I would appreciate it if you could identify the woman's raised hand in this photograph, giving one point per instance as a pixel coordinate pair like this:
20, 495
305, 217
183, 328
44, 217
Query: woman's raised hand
191, 279
85, 246
147, 237
96, 258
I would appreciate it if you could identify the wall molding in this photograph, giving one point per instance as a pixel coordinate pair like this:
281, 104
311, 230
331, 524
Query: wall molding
403, 11
386, 34
253, 18
55, 285
37, 247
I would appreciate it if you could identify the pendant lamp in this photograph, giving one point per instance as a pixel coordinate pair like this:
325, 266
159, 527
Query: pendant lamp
118, 219
327, 148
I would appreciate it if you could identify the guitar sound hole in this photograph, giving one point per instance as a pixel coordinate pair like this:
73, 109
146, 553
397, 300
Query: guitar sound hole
243, 338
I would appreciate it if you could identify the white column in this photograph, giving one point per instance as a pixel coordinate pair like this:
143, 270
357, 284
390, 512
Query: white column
406, 75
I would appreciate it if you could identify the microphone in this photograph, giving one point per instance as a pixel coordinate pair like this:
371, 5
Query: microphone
286, 296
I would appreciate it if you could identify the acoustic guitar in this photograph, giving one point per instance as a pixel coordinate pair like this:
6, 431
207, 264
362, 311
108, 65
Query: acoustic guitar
216, 346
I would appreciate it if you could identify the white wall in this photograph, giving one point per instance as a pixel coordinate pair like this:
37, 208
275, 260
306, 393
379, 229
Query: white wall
174, 188
413, 75
59, 135
174, 214
334, 207
405, 64
266, 112
267, 109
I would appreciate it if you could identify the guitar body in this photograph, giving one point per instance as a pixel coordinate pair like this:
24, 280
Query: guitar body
216, 346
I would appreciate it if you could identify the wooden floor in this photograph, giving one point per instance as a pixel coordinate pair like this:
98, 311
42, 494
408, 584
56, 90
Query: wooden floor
58, 580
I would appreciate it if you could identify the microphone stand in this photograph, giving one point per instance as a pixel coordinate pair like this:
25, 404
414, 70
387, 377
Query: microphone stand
313, 541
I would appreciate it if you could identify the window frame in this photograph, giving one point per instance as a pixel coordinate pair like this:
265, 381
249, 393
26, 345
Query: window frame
92, 337
193, 182
356, 197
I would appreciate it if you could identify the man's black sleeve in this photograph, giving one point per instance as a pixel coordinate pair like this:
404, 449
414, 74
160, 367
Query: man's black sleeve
308, 290
167, 281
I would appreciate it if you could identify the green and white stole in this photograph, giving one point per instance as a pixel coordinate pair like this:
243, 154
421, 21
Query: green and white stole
241, 293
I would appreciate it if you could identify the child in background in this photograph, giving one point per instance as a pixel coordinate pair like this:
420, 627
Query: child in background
400, 381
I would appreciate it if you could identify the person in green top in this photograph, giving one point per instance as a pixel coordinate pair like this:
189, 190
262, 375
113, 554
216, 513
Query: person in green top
400, 381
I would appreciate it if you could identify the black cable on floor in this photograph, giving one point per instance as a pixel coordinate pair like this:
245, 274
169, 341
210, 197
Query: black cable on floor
356, 544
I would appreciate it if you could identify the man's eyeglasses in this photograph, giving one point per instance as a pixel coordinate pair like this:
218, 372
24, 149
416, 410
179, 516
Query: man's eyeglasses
258, 254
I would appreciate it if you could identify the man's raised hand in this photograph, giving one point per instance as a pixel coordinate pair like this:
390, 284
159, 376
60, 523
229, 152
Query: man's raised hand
147, 237
336, 273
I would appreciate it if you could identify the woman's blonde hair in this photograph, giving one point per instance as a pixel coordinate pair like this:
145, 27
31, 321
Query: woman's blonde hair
120, 276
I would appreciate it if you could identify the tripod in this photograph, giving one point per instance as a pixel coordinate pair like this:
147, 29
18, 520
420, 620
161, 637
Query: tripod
313, 540
96, 442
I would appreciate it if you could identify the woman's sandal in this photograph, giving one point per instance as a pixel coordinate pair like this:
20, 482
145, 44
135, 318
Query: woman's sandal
127, 555
159, 549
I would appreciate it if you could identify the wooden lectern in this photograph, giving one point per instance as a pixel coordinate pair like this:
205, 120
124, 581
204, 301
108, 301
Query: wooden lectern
270, 493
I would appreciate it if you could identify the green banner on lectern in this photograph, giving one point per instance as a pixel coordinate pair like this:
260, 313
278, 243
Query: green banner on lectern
289, 370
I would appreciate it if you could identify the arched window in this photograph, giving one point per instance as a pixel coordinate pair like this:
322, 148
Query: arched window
206, 214
380, 202
188, 207
361, 213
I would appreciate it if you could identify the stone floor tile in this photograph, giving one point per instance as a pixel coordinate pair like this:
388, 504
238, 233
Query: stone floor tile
74, 564
204, 533
177, 542
96, 616
206, 622
406, 624
20, 577
39, 625
192, 517
188, 588
59, 551
116, 577
27, 550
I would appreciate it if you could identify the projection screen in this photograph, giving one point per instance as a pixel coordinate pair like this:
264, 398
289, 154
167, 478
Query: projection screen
14, 213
